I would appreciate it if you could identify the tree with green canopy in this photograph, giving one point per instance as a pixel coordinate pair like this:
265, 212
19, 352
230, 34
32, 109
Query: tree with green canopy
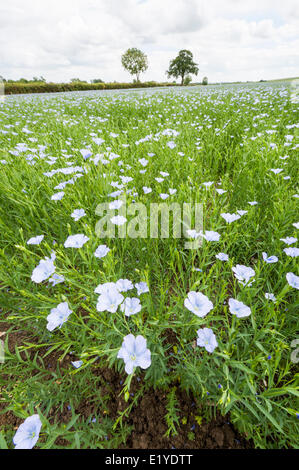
134, 61
182, 65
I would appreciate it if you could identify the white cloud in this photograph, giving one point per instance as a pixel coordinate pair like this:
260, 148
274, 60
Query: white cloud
231, 39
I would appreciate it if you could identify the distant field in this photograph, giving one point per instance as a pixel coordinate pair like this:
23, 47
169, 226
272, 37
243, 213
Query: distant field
284, 79
217, 363
32, 88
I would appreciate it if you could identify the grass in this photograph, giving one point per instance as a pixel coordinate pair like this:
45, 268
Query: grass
231, 136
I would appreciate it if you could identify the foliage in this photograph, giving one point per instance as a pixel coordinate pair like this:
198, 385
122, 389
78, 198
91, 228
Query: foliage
172, 417
228, 138
187, 80
24, 80
135, 62
205, 80
183, 64
18, 88
77, 80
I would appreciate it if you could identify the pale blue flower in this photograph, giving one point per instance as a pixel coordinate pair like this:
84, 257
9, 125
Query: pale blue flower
229, 218
146, 190
193, 234
270, 296
206, 339
210, 236
86, 153
98, 140
123, 285
101, 251
78, 214
58, 316
238, 308
293, 280
171, 144
56, 279
77, 364
57, 196
61, 185
109, 301
198, 303
270, 259
222, 257
142, 288
143, 162
126, 179
76, 241
243, 273
208, 184
131, 306
118, 220
35, 240
28, 433
116, 193
289, 240
104, 288
115, 205
134, 353
44, 270
170, 132
292, 251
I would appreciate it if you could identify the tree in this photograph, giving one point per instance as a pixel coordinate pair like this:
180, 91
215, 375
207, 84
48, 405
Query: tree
40, 79
205, 80
187, 80
96, 80
183, 64
134, 61
77, 80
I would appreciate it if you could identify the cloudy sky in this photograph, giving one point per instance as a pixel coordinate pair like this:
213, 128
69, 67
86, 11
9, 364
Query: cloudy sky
230, 39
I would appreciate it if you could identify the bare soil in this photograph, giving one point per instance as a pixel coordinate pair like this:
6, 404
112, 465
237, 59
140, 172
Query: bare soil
147, 418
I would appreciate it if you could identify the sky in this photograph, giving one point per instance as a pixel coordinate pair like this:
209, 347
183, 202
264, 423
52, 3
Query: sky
231, 40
